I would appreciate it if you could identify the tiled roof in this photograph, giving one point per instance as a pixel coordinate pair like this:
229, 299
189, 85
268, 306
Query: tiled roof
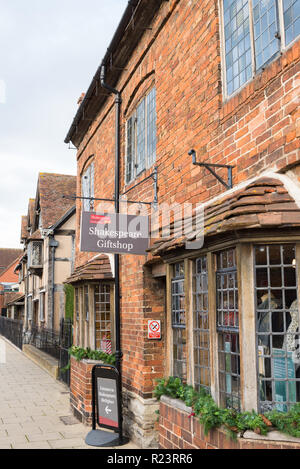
52, 188
9, 275
7, 256
97, 269
265, 203
35, 236
12, 297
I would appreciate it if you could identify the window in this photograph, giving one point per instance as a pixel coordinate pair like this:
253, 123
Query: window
87, 187
277, 327
103, 323
35, 254
42, 306
29, 308
141, 137
77, 303
201, 324
86, 303
178, 322
228, 329
254, 33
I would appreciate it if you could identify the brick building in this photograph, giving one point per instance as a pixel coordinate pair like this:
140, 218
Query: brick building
223, 80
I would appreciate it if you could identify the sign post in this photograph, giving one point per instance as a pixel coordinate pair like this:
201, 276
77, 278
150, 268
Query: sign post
106, 408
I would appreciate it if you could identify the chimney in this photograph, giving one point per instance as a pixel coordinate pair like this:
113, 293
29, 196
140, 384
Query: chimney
81, 99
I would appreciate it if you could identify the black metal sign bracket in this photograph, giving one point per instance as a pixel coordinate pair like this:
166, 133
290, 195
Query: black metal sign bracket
209, 167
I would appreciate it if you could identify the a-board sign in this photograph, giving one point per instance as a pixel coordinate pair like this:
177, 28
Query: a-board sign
106, 394
114, 233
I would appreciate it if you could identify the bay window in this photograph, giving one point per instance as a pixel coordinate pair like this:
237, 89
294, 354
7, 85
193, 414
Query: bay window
234, 322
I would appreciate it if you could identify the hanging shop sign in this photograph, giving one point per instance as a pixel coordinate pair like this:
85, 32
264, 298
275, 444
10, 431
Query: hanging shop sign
154, 329
114, 233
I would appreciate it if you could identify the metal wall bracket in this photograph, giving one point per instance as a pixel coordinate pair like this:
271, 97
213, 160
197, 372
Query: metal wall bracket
209, 166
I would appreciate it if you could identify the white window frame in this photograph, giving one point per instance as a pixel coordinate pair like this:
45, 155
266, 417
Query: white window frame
282, 46
147, 163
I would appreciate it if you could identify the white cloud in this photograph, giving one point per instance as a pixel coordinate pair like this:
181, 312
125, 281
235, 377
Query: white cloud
50, 50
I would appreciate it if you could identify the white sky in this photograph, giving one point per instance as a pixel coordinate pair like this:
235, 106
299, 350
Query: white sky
49, 53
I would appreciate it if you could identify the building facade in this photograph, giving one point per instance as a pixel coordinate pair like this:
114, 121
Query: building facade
47, 233
217, 84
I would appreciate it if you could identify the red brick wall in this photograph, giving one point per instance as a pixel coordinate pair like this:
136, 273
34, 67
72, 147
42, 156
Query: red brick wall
179, 431
81, 389
254, 130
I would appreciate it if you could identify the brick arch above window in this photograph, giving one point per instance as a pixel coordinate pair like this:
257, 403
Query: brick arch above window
139, 91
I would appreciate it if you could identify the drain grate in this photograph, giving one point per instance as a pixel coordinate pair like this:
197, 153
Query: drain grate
69, 420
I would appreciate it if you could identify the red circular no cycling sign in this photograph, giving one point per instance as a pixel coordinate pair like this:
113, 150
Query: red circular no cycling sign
154, 329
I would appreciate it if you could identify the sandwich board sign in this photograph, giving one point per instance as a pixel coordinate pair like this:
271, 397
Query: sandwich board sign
106, 408
114, 233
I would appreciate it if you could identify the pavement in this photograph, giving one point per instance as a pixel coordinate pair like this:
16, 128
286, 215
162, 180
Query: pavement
35, 409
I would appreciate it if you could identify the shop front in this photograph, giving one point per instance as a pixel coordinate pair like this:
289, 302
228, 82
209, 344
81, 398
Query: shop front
233, 306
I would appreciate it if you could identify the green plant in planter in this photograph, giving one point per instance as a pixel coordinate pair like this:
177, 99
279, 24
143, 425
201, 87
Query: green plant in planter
288, 422
211, 416
81, 353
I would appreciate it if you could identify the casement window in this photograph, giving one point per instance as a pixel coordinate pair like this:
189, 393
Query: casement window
29, 307
141, 137
86, 303
228, 329
42, 306
87, 188
254, 33
277, 327
103, 317
35, 249
179, 322
201, 325
94, 322
77, 304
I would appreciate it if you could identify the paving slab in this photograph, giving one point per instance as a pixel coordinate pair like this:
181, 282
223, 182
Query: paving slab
32, 403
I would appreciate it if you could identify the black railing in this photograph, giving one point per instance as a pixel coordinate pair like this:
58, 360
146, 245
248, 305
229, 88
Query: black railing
66, 341
45, 340
12, 330
56, 344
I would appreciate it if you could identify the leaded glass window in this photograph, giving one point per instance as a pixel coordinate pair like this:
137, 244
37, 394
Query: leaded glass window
265, 26
201, 325
141, 137
228, 329
86, 303
291, 13
237, 44
277, 327
103, 323
253, 36
179, 322
87, 187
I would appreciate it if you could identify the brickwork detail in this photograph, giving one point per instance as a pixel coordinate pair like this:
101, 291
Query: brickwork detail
177, 430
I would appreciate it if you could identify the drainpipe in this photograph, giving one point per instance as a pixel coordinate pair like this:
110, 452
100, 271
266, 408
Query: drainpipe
53, 244
118, 102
